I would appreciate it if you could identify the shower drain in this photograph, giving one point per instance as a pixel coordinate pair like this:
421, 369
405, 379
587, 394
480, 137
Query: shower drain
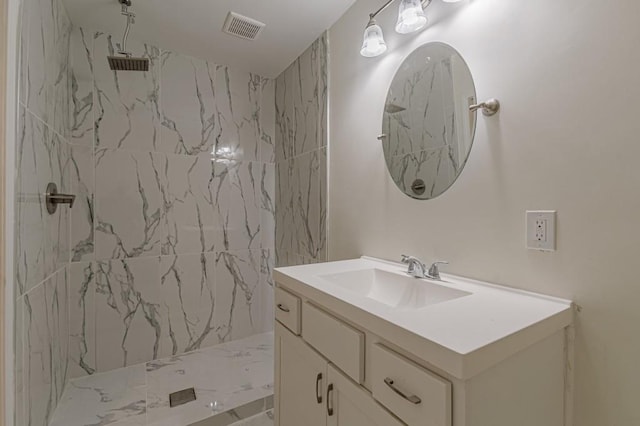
182, 397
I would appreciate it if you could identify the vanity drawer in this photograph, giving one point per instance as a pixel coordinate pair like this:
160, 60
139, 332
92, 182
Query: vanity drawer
415, 395
342, 344
288, 310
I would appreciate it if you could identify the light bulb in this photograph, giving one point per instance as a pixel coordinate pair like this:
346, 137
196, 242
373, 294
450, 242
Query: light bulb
411, 17
373, 44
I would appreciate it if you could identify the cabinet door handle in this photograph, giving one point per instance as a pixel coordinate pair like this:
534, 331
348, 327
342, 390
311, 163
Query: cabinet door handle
318, 388
329, 402
283, 308
411, 398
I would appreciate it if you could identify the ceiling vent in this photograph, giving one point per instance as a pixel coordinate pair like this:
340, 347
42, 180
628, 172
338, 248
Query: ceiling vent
243, 27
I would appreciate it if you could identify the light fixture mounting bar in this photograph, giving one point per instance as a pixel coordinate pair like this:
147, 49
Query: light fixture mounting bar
384, 6
425, 3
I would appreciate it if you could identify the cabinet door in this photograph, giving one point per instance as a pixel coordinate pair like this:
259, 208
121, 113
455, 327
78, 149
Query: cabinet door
350, 405
301, 377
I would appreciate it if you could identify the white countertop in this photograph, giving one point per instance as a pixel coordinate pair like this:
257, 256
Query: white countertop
463, 336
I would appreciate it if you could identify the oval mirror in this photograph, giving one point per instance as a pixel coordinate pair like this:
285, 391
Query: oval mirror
428, 129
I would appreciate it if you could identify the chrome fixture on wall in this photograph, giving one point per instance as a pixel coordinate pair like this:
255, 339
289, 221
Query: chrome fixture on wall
489, 108
127, 62
53, 198
411, 18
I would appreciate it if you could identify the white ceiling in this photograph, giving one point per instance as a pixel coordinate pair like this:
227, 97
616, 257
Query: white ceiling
194, 27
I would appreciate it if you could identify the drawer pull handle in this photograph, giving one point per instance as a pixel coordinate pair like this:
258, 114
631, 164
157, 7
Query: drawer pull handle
411, 398
329, 403
283, 308
318, 388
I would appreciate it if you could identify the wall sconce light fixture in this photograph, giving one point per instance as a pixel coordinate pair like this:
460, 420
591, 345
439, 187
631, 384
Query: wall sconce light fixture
411, 18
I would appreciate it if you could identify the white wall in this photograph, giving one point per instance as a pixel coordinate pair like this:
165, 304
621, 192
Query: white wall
568, 76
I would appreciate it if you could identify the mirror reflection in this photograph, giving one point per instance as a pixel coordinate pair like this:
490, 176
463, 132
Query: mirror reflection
427, 127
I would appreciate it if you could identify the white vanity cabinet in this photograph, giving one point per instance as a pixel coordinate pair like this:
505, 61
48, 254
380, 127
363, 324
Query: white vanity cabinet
312, 392
347, 361
350, 405
301, 381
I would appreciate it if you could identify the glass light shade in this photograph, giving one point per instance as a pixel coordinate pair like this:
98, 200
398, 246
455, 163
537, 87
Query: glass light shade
411, 17
373, 44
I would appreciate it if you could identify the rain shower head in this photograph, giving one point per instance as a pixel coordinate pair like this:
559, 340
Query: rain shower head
127, 62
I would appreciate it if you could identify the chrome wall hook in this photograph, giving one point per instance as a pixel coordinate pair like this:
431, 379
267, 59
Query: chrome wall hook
489, 108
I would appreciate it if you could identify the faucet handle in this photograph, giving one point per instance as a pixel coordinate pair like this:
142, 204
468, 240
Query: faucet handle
404, 258
434, 271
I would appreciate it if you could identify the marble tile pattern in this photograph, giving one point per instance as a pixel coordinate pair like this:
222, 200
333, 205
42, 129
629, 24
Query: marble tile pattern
170, 245
262, 419
82, 318
43, 155
82, 179
256, 413
81, 119
228, 375
44, 350
129, 204
236, 376
301, 158
146, 308
19, 384
426, 121
45, 76
126, 108
42, 246
114, 398
193, 146
173, 234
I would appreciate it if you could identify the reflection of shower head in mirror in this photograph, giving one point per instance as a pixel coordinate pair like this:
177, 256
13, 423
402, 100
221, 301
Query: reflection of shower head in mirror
393, 109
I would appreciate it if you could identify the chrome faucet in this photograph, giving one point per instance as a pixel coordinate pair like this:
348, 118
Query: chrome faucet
434, 271
418, 269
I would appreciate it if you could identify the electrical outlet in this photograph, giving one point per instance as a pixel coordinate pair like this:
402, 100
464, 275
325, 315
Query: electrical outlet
541, 230
540, 235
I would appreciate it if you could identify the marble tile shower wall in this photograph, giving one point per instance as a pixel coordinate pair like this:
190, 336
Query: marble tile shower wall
301, 158
43, 153
171, 241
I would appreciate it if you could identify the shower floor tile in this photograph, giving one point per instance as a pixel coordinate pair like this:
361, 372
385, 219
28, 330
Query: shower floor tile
225, 377
262, 419
118, 397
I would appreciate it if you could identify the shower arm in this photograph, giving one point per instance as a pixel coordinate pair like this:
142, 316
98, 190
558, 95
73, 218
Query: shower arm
122, 48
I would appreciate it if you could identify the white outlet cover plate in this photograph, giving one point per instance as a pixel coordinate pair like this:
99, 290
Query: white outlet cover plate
541, 230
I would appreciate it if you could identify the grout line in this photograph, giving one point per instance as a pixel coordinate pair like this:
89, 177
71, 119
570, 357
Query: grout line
41, 283
94, 101
49, 126
161, 256
181, 155
295, 157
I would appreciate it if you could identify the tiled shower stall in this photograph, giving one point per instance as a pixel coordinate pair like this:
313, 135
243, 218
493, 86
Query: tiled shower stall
191, 179
172, 240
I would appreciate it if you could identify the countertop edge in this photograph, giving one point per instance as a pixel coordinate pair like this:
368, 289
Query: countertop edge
459, 365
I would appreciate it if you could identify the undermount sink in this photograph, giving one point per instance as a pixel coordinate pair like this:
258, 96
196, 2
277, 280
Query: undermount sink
395, 290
